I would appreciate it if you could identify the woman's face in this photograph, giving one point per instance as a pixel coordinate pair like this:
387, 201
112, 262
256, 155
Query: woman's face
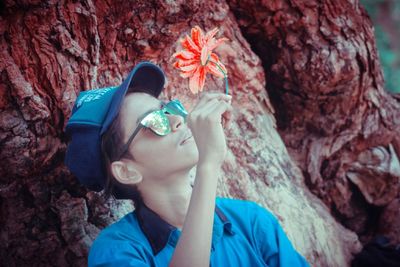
157, 156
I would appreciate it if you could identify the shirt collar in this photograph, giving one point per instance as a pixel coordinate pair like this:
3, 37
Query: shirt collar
158, 231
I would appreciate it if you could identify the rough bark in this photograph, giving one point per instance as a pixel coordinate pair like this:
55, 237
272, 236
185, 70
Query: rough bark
50, 51
336, 119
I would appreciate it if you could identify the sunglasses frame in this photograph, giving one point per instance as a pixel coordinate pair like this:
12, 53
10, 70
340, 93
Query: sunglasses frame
178, 109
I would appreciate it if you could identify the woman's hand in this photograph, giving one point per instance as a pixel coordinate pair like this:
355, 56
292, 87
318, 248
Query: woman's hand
205, 122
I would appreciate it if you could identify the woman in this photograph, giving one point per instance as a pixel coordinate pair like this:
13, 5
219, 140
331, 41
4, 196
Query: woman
134, 146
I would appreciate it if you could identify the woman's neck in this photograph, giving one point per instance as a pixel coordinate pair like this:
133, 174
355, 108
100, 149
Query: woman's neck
169, 200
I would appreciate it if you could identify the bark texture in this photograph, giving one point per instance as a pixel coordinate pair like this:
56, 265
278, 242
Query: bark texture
326, 91
337, 121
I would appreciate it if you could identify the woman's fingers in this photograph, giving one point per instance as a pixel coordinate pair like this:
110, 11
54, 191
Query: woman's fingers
210, 111
210, 96
216, 114
221, 112
206, 123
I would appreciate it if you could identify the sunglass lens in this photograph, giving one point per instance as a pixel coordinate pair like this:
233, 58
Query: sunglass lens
158, 122
175, 107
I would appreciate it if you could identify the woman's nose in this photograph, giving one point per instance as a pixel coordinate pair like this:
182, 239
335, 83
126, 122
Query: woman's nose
175, 121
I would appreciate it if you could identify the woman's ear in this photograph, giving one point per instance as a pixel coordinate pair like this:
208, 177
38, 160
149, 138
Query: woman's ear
125, 173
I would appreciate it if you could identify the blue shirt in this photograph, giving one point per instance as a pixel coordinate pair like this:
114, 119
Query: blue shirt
244, 234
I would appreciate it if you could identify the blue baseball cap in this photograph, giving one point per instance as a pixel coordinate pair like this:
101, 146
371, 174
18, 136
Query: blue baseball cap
93, 113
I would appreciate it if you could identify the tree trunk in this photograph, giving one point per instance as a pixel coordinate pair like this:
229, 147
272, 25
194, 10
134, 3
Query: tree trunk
323, 79
336, 119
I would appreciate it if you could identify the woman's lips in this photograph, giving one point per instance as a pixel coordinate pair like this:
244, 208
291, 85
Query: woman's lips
188, 137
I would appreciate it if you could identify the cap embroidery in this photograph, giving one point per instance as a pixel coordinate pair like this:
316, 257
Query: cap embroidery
93, 95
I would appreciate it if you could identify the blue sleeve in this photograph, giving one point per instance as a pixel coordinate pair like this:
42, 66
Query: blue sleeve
116, 253
275, 247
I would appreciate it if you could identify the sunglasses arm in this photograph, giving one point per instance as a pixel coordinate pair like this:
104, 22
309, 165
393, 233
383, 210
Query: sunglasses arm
128, 143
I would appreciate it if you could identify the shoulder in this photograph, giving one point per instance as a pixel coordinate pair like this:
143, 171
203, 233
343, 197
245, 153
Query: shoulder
239, 205
233, 201
118, 240
245, 208
124, 229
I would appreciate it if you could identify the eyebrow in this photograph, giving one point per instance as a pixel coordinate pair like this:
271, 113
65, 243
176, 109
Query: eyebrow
148, 112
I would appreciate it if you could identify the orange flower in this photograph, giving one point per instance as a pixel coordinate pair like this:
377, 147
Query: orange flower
197, 59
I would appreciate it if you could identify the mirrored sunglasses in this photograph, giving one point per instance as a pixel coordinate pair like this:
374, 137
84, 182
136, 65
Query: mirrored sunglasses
157, 121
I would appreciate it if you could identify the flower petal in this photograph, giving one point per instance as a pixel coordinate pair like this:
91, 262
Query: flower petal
202, 78
176, 65
183, 54
189, 67
188, 44
215, 59
210, 35
197, 36
196, 82
193, 83
213, 69
187, 62
187, 74
216, 43
204, 55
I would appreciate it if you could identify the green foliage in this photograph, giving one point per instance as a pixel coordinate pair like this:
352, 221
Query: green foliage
388, 54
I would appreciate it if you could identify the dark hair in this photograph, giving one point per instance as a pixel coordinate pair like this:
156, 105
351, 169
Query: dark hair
111, 145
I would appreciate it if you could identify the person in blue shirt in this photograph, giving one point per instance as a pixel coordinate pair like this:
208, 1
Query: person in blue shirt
124, 140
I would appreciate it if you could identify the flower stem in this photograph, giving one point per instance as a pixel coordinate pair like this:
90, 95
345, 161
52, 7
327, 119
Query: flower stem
225, 77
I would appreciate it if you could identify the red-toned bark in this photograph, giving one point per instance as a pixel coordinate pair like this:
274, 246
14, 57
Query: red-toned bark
323, 80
